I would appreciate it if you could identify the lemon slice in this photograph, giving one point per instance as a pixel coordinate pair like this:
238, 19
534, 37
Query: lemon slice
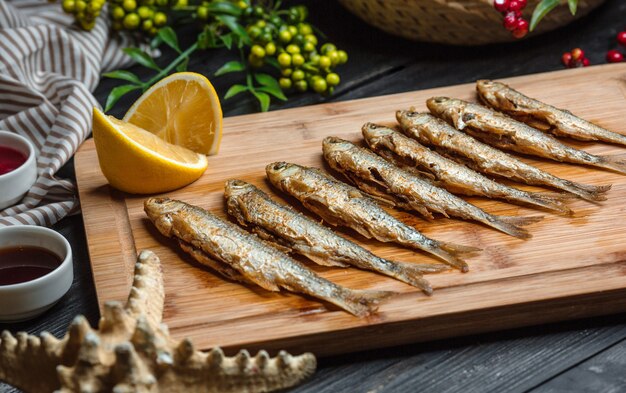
182, 109
136, 161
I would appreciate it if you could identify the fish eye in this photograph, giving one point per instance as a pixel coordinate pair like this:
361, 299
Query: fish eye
439, 100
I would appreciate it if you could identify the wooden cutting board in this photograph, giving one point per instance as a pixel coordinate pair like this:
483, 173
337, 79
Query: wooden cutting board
573, 267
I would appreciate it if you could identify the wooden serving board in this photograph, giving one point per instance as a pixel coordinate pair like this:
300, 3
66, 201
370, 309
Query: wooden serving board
573, 267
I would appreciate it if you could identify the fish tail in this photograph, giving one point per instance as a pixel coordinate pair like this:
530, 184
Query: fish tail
552, 201
458, 249
361, 303
450, 257
430, 268
588, 192
412, 274
512, 225
615, 162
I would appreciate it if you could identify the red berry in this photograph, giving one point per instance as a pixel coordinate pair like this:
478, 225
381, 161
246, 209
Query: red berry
614, 56
586, 62
501, 5
621, 38
510, 21
566, 59
514, 5
578, 54
521, 29
522, 3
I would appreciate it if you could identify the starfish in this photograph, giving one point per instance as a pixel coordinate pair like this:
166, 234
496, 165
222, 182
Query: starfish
132, 351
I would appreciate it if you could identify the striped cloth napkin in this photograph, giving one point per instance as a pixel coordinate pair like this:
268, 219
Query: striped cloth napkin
48, 69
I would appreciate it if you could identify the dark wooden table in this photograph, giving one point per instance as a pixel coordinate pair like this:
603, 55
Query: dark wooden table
577, 356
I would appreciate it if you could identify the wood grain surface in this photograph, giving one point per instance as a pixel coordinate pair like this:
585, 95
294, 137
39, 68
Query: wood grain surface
573, 267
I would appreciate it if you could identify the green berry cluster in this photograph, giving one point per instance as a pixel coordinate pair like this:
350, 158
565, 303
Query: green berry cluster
85, 11
145, 15
294, 45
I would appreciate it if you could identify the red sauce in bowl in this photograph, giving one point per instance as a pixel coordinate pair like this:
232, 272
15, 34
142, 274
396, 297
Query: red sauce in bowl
25, 263
10, 159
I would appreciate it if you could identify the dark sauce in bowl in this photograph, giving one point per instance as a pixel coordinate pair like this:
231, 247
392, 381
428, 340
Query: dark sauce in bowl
10, 159
26, 263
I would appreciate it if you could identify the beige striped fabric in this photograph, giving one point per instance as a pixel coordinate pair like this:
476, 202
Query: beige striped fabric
48, 69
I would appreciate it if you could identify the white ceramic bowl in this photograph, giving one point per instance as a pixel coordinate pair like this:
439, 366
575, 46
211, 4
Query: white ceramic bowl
19, 302
15, 184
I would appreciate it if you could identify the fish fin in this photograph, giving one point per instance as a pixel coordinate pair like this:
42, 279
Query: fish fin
219, 267
552, 201
274, 241
431, 268
520, 221
422, 210
411, 273
588, 192
362, 303
325, 261
557, 196
512, 225
616, 162
458, 249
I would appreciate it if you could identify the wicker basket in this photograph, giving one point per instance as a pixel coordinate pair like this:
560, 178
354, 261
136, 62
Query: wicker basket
461, 22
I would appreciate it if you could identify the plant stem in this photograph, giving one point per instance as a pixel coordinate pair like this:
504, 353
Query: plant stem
171, 66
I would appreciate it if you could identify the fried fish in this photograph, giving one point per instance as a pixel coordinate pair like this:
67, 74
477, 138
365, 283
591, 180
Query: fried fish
213, 241
340, 204
409, 154
483, 158
506, 133
375, 175
540, 115
288, 228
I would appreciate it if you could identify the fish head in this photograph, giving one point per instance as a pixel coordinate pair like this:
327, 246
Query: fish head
449, 109
488, 89
333, 144
279, 172
375, 133
160, 211
412, 118
236, 187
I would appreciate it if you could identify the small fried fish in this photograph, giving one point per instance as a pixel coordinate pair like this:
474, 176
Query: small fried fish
411, 155
283, 225
468, 151
340, 204
212, 240
505, 133
540, 115
375, 175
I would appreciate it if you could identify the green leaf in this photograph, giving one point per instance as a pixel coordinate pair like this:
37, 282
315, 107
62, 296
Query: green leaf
207, 39
263, 99
234, 26
124, 75
142, 58
168, 35
273, 62
117, 93
224, 7
156, 41
278, 93
270, 85
227, 39
573, 6
183, 65
231, 66
234, 90
542, 9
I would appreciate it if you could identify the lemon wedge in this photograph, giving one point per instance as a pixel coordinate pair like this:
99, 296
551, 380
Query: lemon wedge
182, 109
137, 161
